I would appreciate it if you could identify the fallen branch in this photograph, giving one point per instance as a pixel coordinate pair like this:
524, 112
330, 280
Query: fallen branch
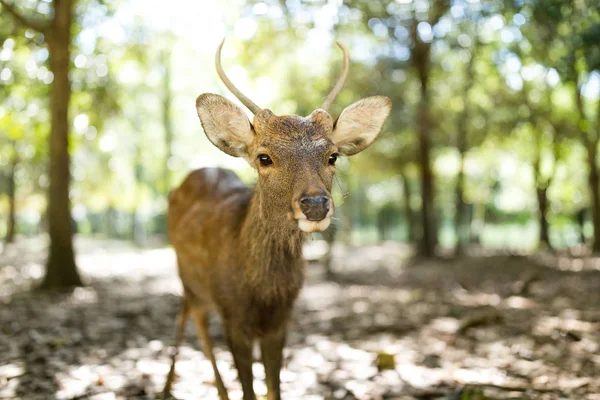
487, 317
4, 379
427, 393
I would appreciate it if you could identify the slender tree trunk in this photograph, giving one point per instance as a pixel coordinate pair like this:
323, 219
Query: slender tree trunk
477, 223
136, 229
61, 270
594, 194
421, 63
167, 122
542, 198
593, 181
109, 227
591, 138
580, 219
381, 226
541, 187
428, 222
428, 225
408, 212
133, 228
11, 191
460, 217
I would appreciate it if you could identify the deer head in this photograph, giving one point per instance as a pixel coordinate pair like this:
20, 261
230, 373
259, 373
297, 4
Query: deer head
295, 156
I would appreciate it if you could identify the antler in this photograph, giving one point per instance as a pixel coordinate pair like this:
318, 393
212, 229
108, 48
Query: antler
340, 83
245, 100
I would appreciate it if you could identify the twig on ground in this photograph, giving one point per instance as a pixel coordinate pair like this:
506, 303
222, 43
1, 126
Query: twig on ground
487, 317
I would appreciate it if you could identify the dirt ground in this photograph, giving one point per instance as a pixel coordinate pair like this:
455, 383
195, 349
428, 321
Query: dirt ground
388, 327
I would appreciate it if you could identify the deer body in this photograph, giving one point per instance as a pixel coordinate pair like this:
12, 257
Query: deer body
239, 249
248, 270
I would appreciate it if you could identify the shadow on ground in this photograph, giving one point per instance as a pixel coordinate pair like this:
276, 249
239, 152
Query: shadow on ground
385, 328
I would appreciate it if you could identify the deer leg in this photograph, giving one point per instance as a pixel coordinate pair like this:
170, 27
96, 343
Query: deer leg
271, 349
201, 320
241, 349
182, 316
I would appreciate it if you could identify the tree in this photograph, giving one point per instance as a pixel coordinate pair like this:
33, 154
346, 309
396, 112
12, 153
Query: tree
408, 29
461, 222
11, 192
61, 270
167, 99
406, 206
568, 38
421, 62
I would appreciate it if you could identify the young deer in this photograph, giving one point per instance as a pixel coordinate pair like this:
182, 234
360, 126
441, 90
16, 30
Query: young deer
239, 250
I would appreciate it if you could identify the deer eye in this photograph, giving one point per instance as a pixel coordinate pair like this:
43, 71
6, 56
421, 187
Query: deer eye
333, 158
264, 160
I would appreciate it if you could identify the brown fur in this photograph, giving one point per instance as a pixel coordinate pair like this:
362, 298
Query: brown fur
239, 250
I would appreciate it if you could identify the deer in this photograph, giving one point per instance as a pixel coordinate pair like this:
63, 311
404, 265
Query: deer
238, 248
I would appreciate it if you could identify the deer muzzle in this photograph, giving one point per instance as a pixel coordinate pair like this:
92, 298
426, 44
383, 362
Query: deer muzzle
315, 208
316, 213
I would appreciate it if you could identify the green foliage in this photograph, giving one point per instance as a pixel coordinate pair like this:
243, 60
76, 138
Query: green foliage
506, 74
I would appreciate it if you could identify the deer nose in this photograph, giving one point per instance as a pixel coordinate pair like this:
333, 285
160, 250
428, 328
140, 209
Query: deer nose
315, 208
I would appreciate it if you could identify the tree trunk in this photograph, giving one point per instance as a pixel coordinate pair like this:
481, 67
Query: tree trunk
167, 122
61, 270
477, 223
591, 146
408, 213
542, 198
428, 222
11, 222
460, 216
381, 226
133, 230
138, 173
421, 63
580, 219
541, 190
594, 194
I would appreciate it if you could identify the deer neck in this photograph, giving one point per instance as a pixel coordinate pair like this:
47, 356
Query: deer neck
271, 245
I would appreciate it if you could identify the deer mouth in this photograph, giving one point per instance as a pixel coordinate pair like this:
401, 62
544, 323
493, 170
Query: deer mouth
309, 226
310, 220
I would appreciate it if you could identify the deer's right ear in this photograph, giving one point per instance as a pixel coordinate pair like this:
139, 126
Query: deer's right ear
225, 124
360, 123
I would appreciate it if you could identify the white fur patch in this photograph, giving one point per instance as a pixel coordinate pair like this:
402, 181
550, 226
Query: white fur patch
313, 226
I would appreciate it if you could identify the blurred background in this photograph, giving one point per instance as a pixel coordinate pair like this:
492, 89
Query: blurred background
489, 159
492, 140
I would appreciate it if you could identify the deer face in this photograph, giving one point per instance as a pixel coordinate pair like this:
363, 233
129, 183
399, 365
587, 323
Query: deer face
295, 156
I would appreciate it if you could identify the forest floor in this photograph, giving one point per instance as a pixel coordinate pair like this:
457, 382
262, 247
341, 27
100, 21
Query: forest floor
388, 327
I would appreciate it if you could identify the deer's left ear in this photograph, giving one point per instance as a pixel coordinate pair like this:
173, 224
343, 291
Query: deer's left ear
360, 123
